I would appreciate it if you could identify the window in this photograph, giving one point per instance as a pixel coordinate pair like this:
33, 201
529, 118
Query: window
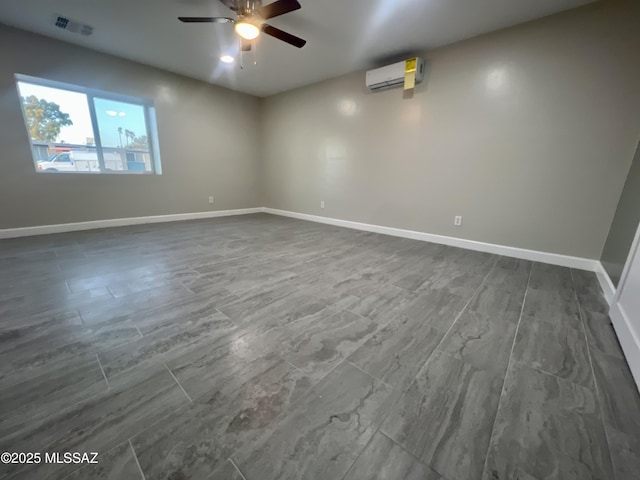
78, 130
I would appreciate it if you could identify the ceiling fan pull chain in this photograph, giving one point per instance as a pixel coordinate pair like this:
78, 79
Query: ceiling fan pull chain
254, 51
241, 55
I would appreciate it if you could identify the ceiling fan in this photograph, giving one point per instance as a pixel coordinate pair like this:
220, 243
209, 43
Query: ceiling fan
250, 21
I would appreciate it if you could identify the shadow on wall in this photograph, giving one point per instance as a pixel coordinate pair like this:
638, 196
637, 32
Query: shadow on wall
625, 224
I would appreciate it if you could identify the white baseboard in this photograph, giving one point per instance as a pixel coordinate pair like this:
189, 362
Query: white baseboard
608, 288
120, 222
533, 255
628, 339
544, 257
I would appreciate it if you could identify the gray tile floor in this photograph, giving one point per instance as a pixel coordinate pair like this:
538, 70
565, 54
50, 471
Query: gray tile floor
260, 348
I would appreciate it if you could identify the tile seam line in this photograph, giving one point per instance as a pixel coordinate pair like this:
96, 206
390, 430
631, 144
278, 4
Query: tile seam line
358, 457
87, 330
83, 466
176, 410
412, 455
135, 456
203, 394
372, 376
84, 325
104, 375
593, 373
142, 430
70, 407
119, 345
299, 399
290, 364
230, 460
187, 288
146, 427
137, 339
506, 373
473, 295
194, 400
178, 382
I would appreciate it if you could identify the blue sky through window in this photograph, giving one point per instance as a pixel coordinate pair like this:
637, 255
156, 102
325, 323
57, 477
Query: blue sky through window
115, 119
112, 116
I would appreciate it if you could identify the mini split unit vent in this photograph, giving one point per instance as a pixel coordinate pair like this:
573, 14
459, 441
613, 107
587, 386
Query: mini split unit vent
72, 26
393, 75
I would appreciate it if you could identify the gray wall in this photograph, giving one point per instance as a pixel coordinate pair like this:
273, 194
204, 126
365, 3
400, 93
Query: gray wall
625, 224
207, 140
527, 132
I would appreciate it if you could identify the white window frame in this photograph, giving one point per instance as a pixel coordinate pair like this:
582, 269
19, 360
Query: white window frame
91, 93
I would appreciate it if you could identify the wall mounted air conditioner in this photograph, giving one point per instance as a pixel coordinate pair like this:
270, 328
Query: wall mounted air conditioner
392, 75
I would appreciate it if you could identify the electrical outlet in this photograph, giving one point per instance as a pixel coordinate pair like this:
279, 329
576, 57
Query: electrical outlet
210, 199
321, 203
457, 221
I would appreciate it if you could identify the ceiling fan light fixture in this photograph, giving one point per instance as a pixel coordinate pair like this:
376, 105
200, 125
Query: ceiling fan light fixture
249, 20
247, 30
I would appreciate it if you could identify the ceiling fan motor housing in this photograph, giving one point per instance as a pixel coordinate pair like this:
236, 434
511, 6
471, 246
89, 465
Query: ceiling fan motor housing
248, 8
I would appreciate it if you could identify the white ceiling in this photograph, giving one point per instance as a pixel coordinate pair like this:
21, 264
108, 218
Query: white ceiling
343, 35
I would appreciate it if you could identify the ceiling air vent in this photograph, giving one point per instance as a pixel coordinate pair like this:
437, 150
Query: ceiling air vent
72, 26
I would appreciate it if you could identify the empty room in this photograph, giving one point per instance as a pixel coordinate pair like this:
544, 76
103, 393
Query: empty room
320, 240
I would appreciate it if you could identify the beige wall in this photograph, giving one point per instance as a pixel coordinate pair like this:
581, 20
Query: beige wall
528, 133
207, 140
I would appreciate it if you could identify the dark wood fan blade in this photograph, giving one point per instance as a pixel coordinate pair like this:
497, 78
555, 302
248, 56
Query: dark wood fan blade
206, 19
284, 36
246, 45
279, 7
